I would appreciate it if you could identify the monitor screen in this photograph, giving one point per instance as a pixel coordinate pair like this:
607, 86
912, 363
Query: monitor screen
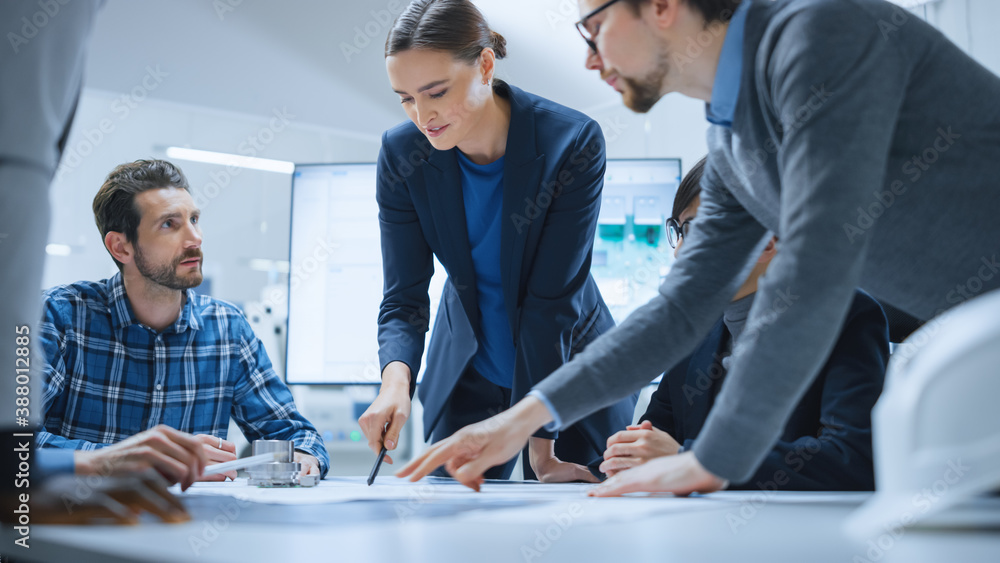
335, 279
631, 252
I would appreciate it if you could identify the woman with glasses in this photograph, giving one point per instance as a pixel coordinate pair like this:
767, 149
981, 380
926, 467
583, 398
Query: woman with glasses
826, 444
504, 188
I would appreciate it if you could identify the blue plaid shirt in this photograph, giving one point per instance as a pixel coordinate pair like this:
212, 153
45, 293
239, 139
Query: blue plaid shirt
109, 377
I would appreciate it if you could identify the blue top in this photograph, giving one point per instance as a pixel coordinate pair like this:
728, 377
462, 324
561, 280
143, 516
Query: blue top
726, 89
108, 377
482, 193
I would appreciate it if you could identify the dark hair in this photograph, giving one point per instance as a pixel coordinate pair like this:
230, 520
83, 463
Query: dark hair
689, 189
114, 204
713, 10
453, 26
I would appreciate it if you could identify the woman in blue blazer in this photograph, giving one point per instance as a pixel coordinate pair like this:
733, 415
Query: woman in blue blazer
504, 187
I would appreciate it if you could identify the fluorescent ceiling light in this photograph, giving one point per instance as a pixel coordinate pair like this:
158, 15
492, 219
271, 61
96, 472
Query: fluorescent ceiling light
225, 159
912, 3
58, 249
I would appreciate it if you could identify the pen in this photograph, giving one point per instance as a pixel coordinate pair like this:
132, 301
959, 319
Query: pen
240, 463
378, 463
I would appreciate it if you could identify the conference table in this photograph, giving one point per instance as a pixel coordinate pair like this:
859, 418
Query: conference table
438, 520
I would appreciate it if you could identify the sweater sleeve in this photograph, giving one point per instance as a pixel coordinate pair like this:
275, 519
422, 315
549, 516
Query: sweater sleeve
715, 259
839, 456
838, 100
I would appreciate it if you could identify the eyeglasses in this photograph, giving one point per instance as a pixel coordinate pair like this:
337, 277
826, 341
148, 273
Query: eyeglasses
591, 36
676, 232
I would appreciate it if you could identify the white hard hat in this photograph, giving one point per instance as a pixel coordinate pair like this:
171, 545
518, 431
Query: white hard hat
936, 427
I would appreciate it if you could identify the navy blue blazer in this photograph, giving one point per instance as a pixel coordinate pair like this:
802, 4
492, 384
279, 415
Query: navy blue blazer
827, 443
552, 180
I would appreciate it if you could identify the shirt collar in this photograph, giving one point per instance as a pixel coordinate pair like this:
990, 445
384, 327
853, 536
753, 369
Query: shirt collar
736, 315
726, 88
121, 310
122, 314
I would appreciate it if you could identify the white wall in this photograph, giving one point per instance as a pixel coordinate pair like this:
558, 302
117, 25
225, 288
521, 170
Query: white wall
245, 215
972, 25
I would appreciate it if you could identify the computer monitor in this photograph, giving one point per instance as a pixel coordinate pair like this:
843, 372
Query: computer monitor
631, 253
335, 278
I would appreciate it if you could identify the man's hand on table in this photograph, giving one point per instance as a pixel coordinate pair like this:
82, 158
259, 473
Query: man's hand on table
680, 474
310, 465
216, 451
177, 456
120, 499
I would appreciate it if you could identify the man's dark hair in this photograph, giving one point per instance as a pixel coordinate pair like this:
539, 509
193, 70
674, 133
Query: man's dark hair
713, 10
114, 204
689, 189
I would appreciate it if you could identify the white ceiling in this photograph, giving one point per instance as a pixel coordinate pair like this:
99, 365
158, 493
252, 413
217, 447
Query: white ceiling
262, 55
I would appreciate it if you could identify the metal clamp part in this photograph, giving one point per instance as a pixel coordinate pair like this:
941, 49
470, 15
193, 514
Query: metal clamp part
283, 472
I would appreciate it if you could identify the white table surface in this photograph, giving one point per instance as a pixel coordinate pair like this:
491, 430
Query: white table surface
727, 526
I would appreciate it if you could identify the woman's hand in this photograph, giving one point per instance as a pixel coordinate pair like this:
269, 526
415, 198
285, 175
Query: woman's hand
550, 469
636, 445
385, 417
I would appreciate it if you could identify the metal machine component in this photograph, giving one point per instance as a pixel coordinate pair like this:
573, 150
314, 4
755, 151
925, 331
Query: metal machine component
283, 471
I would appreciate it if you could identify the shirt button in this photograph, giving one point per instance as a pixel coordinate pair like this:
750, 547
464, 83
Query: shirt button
159, 387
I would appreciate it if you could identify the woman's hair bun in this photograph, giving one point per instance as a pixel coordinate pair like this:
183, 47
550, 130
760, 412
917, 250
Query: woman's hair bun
499, 44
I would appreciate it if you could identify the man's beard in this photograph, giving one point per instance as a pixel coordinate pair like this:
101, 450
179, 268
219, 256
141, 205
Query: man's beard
641, 94
166, 274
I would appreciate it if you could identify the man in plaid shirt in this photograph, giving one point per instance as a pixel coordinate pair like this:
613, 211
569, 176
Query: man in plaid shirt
141, 350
